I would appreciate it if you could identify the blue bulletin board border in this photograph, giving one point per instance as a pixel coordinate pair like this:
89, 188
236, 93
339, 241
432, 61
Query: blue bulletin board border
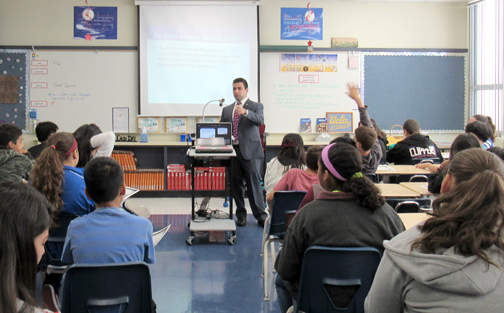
15, 63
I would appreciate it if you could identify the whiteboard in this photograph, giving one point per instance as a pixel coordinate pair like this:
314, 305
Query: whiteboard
286, 100
72, 87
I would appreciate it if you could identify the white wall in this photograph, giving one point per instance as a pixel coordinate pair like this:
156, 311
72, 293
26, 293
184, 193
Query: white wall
377, 24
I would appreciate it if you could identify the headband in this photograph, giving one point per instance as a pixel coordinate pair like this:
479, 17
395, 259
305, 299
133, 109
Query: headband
327, 163
53, 146
287, 145
72, 148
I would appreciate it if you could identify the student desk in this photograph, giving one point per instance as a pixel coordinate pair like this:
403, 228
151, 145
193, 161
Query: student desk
411, 219
420, 187
396, 191
401, 170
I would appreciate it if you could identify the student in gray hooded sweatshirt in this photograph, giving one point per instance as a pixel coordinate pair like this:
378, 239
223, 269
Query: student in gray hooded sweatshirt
453, 262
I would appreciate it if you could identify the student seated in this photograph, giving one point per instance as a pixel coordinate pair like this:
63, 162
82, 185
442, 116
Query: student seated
93, 143
14, 164
487, 120
56, 176
350, 212
109, 234
453, 262
365, 135
497, 151
413, 146
25, 218
44, 130
297, 179
462, 142
482, 131
382, 140
291, 155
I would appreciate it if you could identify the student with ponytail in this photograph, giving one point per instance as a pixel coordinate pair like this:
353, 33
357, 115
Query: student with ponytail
453, 262
58, 178
349, 212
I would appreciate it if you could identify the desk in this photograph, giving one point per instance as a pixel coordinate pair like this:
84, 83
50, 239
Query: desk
401, 170
420, 187
396, 191
225, 225
411, 219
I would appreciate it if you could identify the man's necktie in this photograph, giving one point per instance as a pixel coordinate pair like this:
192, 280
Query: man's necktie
236, 119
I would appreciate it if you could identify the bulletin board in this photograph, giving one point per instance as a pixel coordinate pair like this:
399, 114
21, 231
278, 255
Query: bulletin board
13, 87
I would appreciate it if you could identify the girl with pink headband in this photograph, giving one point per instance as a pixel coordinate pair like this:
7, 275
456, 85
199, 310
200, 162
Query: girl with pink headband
349, 212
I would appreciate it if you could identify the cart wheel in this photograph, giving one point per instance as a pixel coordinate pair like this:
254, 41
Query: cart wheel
189, 240
231, 240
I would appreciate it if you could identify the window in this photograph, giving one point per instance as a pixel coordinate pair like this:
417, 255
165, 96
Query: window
486, 59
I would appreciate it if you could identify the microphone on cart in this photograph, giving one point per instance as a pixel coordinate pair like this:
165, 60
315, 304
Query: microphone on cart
221, 101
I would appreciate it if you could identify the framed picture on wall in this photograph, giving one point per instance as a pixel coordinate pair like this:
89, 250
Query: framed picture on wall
176, 124
339, 122
151, 124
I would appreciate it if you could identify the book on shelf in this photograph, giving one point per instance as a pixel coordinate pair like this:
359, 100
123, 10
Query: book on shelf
322, 125
305, 125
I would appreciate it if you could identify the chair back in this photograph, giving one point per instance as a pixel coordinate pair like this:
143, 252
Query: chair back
373, 178
58, 233
425, 160
336, 279
115, 287
284, 202
409, 206
419, 178
423, 203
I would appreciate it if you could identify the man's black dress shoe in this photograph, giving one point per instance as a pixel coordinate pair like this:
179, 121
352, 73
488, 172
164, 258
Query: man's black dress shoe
260, 223
241, 221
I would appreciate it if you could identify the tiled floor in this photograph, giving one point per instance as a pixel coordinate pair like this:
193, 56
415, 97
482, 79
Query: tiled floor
211, 275
207, 276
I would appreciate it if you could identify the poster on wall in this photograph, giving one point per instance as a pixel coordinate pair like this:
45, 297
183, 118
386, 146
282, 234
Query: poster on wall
95, 23
313, 62
301, 23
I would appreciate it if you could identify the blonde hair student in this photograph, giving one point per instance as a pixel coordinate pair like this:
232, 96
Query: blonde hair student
453, 262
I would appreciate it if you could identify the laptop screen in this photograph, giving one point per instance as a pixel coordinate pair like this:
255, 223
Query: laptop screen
214, 130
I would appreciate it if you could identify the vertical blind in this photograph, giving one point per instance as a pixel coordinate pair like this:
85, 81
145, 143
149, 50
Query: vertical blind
486, 59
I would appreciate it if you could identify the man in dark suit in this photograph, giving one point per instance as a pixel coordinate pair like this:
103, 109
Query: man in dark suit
246, 117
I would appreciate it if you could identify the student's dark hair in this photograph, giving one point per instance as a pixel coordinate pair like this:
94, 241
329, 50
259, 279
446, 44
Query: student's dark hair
498, 151
104, 178
344, 139
292, 152
8, 133
366, 136
347, 161
312, 157
45, 129
463, 142
241, 80
411, 126
470, 216
83, 136
47, 173
380, 133
24, 215
487, 120
482, 130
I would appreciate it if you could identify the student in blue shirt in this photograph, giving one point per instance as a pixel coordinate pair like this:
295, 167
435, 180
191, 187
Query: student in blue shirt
109, 234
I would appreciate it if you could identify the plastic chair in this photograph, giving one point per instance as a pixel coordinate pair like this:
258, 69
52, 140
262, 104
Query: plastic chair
336, 279
116, 287
51, 262
425, 160
419, 178
407, 207
274, 229
420, 204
